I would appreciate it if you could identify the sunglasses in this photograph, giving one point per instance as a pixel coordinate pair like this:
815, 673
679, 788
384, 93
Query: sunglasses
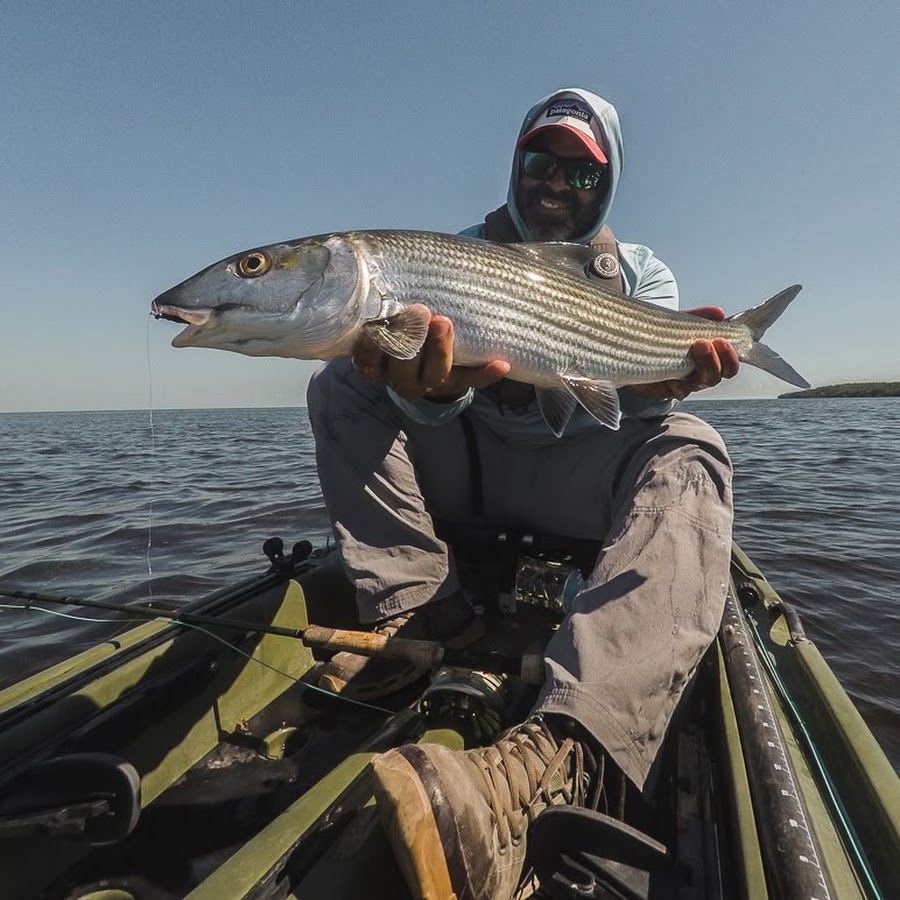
584, 174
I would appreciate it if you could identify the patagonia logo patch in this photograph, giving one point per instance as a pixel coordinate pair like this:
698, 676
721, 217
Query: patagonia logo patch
570, 108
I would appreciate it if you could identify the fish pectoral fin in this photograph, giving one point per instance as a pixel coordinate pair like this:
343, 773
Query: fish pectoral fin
599, 398
556, 407
401, 335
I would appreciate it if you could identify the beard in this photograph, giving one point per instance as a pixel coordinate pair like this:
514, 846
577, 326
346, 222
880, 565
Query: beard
577, 216
548, 232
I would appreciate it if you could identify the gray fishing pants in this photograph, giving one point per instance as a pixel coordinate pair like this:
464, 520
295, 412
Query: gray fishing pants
657, 493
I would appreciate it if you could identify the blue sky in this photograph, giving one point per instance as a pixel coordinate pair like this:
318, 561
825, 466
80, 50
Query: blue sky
141, 142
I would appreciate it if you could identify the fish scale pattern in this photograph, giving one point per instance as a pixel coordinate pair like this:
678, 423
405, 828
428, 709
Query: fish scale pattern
547, 320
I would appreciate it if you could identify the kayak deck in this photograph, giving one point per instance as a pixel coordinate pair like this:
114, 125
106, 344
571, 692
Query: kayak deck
254, 785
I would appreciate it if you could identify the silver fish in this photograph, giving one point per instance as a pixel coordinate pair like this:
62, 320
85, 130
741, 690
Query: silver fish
532, 305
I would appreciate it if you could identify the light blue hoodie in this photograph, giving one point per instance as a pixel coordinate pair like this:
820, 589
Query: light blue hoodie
644, 275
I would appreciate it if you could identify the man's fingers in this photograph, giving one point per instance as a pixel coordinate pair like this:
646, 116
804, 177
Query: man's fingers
369, 359
716, 313
431, 372
728, 358
437, 354
713, 361
405, 376
479, 377
707, 368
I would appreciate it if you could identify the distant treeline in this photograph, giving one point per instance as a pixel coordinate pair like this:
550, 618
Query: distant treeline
862, 389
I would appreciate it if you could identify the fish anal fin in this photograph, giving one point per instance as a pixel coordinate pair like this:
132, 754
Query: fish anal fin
401, 335
599, 398
556, 407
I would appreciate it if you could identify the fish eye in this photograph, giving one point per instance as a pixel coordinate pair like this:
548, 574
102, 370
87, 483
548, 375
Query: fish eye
254, 264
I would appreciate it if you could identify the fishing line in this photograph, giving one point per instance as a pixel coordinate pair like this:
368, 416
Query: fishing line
62, 615
215, 637
287, 675
152, 466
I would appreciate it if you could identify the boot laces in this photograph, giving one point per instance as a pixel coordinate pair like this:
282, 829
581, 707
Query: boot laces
519, 771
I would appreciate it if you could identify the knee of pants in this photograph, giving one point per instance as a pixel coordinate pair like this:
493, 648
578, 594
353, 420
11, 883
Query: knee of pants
338, 395
688, 429
704, 451
327, 395
683, 454
319, 388
336, 387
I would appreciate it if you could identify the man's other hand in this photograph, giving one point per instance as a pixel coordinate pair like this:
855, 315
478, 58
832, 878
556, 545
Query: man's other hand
713, 361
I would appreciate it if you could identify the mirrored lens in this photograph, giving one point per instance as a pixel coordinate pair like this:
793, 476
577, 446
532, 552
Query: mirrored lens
583, 174
539, 165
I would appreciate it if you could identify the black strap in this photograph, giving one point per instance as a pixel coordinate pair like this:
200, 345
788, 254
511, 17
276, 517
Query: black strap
499, 226
475, 470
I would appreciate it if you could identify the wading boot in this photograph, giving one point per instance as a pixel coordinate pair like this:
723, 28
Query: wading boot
457, 820
450, 620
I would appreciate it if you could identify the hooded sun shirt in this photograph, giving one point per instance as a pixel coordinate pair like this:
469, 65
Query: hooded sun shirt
606, 118
644, 276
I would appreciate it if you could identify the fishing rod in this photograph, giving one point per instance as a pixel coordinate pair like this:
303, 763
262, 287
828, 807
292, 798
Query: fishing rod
146, 612
432, 654
273, 548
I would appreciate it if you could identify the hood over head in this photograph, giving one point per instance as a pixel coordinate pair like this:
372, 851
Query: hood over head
594, 122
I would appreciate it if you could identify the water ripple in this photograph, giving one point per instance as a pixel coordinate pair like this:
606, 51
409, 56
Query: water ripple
103, 505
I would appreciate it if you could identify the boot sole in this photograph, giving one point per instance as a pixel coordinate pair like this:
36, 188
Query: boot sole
409, 822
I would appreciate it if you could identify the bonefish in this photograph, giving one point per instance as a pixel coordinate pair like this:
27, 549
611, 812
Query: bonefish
531, 305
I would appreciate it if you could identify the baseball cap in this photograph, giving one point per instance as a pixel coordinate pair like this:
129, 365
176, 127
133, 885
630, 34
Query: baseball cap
575, 116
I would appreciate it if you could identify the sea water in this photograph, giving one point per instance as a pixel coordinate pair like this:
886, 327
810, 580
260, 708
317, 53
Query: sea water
118, 506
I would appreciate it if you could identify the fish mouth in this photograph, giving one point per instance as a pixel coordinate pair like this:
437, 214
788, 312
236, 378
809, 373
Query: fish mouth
195, 317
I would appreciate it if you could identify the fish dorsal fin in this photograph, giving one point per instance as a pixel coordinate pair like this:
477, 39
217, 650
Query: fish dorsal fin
556, 407
400, 335
599, 398
571, 258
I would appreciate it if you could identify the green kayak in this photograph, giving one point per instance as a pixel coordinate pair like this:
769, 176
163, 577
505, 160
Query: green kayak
191, 755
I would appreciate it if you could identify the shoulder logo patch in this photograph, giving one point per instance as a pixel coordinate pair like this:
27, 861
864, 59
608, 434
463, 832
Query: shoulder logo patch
606, 265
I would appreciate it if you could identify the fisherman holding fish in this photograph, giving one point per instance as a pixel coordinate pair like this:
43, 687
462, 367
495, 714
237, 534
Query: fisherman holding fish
396, 442
540, 398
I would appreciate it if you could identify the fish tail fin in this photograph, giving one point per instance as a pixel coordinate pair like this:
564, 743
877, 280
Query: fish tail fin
758, 319
768, 360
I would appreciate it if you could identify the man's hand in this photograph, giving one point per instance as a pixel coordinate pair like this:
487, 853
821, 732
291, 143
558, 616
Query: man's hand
431, 372
713, 361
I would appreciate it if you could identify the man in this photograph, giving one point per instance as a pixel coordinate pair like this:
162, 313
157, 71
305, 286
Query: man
398, 446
